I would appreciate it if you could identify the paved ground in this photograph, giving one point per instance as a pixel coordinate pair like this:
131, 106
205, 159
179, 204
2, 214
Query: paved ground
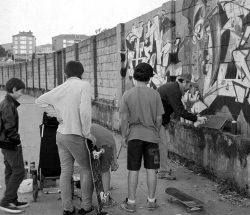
200, 187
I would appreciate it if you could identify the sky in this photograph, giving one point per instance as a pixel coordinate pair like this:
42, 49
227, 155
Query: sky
48, 18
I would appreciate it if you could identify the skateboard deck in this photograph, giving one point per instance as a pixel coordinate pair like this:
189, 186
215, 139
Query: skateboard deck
191, 203
96, 175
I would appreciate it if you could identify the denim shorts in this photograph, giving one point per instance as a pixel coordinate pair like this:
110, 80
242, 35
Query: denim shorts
138, 149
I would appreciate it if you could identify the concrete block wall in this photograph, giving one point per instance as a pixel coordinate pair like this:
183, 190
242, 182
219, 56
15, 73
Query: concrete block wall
50, 72
217, 58
224, 154
29, 75
4, 76
85, 50
42, 74
11, 73
36, 74
70, 53
106, 60
196, 37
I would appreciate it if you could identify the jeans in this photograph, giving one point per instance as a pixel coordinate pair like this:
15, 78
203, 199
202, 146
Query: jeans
14, 174
72, 148
163, 146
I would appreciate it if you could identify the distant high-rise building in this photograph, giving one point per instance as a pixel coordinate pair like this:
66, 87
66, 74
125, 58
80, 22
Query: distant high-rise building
64, 40
24, 45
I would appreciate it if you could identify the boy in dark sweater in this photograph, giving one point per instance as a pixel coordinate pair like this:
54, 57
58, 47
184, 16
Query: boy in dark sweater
11, 146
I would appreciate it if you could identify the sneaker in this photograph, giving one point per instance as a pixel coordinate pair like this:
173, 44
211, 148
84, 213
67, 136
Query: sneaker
83, 211
20, 205
128, 207
109, 203
10, 208
69, 212
152, 205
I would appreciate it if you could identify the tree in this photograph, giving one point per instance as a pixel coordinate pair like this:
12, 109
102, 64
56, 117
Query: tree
2, 52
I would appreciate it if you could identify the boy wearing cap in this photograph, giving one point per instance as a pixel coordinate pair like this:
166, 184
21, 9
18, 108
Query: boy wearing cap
171, 94
141, 117
71, 102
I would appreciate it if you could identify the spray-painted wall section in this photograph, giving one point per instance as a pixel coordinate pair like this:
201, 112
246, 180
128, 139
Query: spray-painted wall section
208, 39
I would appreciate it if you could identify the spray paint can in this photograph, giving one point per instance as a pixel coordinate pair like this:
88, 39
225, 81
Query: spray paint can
234, 127
26, 168
32, 168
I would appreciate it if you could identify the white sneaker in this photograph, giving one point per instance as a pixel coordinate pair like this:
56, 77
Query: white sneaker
10, 208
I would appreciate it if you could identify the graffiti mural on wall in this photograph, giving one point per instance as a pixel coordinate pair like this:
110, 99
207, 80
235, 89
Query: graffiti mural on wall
215, 50
220, 52
152, 42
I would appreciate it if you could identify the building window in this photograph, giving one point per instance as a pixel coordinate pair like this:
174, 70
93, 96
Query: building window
22, 47
22, 41
70, 42
22, 51
22, 38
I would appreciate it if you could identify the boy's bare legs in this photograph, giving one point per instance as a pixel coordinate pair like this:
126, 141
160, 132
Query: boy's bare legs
151, 182
109, 202
163, 146
106, 181
132, 184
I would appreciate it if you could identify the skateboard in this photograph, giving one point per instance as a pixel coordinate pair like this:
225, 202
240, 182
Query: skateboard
94, 156
191, 203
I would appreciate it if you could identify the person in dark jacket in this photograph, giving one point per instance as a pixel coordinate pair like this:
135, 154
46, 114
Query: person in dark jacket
11, 149
171, 94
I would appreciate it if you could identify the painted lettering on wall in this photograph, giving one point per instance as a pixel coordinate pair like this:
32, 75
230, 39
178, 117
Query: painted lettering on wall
220, 52
152, 42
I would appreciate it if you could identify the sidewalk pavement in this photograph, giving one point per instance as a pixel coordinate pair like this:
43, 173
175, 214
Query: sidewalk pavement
187, 181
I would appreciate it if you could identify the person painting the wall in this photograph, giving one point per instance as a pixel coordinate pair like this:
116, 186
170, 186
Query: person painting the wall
11, 147
171, 94
141, 117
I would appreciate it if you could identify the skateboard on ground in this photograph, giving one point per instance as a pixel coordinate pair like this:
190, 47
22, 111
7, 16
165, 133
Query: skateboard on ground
191, 203
94, 158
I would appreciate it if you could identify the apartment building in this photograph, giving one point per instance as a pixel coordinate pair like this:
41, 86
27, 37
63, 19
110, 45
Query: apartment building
23, 45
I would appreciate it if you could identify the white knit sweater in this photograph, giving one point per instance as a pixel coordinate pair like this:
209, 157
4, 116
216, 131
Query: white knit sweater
70, 102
